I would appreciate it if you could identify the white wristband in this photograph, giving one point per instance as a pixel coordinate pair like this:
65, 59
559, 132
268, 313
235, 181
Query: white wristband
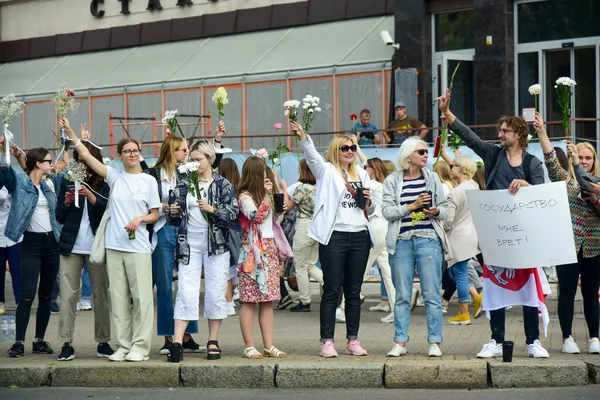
77, 144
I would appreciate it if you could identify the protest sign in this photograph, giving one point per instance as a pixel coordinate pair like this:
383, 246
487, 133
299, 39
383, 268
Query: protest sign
530, 229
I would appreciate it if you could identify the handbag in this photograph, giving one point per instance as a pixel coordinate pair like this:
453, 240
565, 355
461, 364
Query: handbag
98, 253
353, 194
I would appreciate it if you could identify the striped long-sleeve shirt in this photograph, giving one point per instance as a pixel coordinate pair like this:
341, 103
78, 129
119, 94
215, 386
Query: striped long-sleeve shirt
411, 189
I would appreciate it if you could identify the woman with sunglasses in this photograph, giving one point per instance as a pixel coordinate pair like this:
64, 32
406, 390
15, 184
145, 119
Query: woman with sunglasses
33, 216
133, 205
173, 152
414, 205
203, 221
341, 227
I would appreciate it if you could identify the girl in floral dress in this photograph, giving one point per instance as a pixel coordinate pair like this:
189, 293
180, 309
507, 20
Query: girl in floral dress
263, 244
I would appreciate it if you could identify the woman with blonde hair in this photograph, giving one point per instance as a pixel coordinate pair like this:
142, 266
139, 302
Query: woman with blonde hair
341, 226
585, 219
389, 166
462, 238
203, 220
414, 204
173, 152
263, 245
442, 168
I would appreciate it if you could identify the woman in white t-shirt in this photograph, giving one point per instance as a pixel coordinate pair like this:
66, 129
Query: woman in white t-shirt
341, 226
133, 204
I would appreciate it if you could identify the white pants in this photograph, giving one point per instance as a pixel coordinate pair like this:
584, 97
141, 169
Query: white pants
306, 255
379, 253
216, 275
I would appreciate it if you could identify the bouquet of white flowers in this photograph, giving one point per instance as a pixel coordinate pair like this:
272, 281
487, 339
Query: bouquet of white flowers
9, 109
310, 107
220, 99
64, 100
291, 109
535, 90
76, 172
171, 121
564, 91
189, 175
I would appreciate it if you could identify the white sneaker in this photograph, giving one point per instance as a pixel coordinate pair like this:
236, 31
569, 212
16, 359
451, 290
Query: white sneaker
134, 356
388, 319
118, 355
397, 351
2, 310
490, 350
236, 294
569, 346
84, 305
594, 346
230, 309
420, 302
380, 307
434, 350
340, 316
536, 350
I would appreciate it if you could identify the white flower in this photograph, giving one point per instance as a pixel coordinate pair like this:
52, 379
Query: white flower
220, 96
318, 109
305, 106
535, 90
529, 137
316, 99
286, 113
106, 160
310, 111
565, 81
276, 160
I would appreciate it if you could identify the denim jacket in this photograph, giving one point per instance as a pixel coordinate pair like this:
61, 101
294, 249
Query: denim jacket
221, 195
25, 198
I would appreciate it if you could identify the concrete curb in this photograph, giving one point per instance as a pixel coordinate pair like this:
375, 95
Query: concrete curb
293, 375
257, 376
436, 375
320, 375
538, 373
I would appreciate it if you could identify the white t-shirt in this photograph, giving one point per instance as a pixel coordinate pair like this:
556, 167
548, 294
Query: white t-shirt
196, 221
131, 196
5, 203
266, 228
40, 220
85, 236
166, 185
350, 218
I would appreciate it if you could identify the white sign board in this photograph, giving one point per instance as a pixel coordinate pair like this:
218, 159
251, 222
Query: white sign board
529, 114
530, 229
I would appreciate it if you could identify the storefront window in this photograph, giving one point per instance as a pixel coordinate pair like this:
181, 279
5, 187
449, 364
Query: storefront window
455, 30
558, 20
528, 75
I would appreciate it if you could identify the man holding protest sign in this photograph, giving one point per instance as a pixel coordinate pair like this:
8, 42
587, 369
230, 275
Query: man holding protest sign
507, 166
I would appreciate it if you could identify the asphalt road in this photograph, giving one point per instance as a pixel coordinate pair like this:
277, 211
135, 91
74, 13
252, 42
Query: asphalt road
591, 392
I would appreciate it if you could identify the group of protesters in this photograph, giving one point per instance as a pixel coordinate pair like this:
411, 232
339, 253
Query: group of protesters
132, 226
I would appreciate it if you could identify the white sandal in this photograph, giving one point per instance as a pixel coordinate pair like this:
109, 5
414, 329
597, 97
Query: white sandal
252, 353
274, 352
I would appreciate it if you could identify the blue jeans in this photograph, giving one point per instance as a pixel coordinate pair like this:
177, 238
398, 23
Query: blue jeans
163, 259
459, 273
384, 293
427, 255
86, 286
11, 254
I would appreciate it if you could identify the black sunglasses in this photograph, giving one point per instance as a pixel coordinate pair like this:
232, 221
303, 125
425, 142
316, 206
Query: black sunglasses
48, 161
345, 148
422, 152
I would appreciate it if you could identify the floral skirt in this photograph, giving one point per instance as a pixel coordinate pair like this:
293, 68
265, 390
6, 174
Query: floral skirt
248, 287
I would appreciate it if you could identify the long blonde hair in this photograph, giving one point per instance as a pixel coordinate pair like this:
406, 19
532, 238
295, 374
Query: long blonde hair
585, 145
443, 170
333, 155
166, 158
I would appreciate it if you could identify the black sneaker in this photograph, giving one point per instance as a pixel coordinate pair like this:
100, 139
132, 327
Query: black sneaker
104, 350
300, 307
165, 349
42, 348
67, 353
285, 302
54, 308
191, 346
16, 350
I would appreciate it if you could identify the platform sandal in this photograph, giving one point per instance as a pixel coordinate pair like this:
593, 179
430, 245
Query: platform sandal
274, 352
212, 353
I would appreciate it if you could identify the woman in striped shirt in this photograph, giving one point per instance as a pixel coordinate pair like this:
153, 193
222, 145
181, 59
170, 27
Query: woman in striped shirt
414, 204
